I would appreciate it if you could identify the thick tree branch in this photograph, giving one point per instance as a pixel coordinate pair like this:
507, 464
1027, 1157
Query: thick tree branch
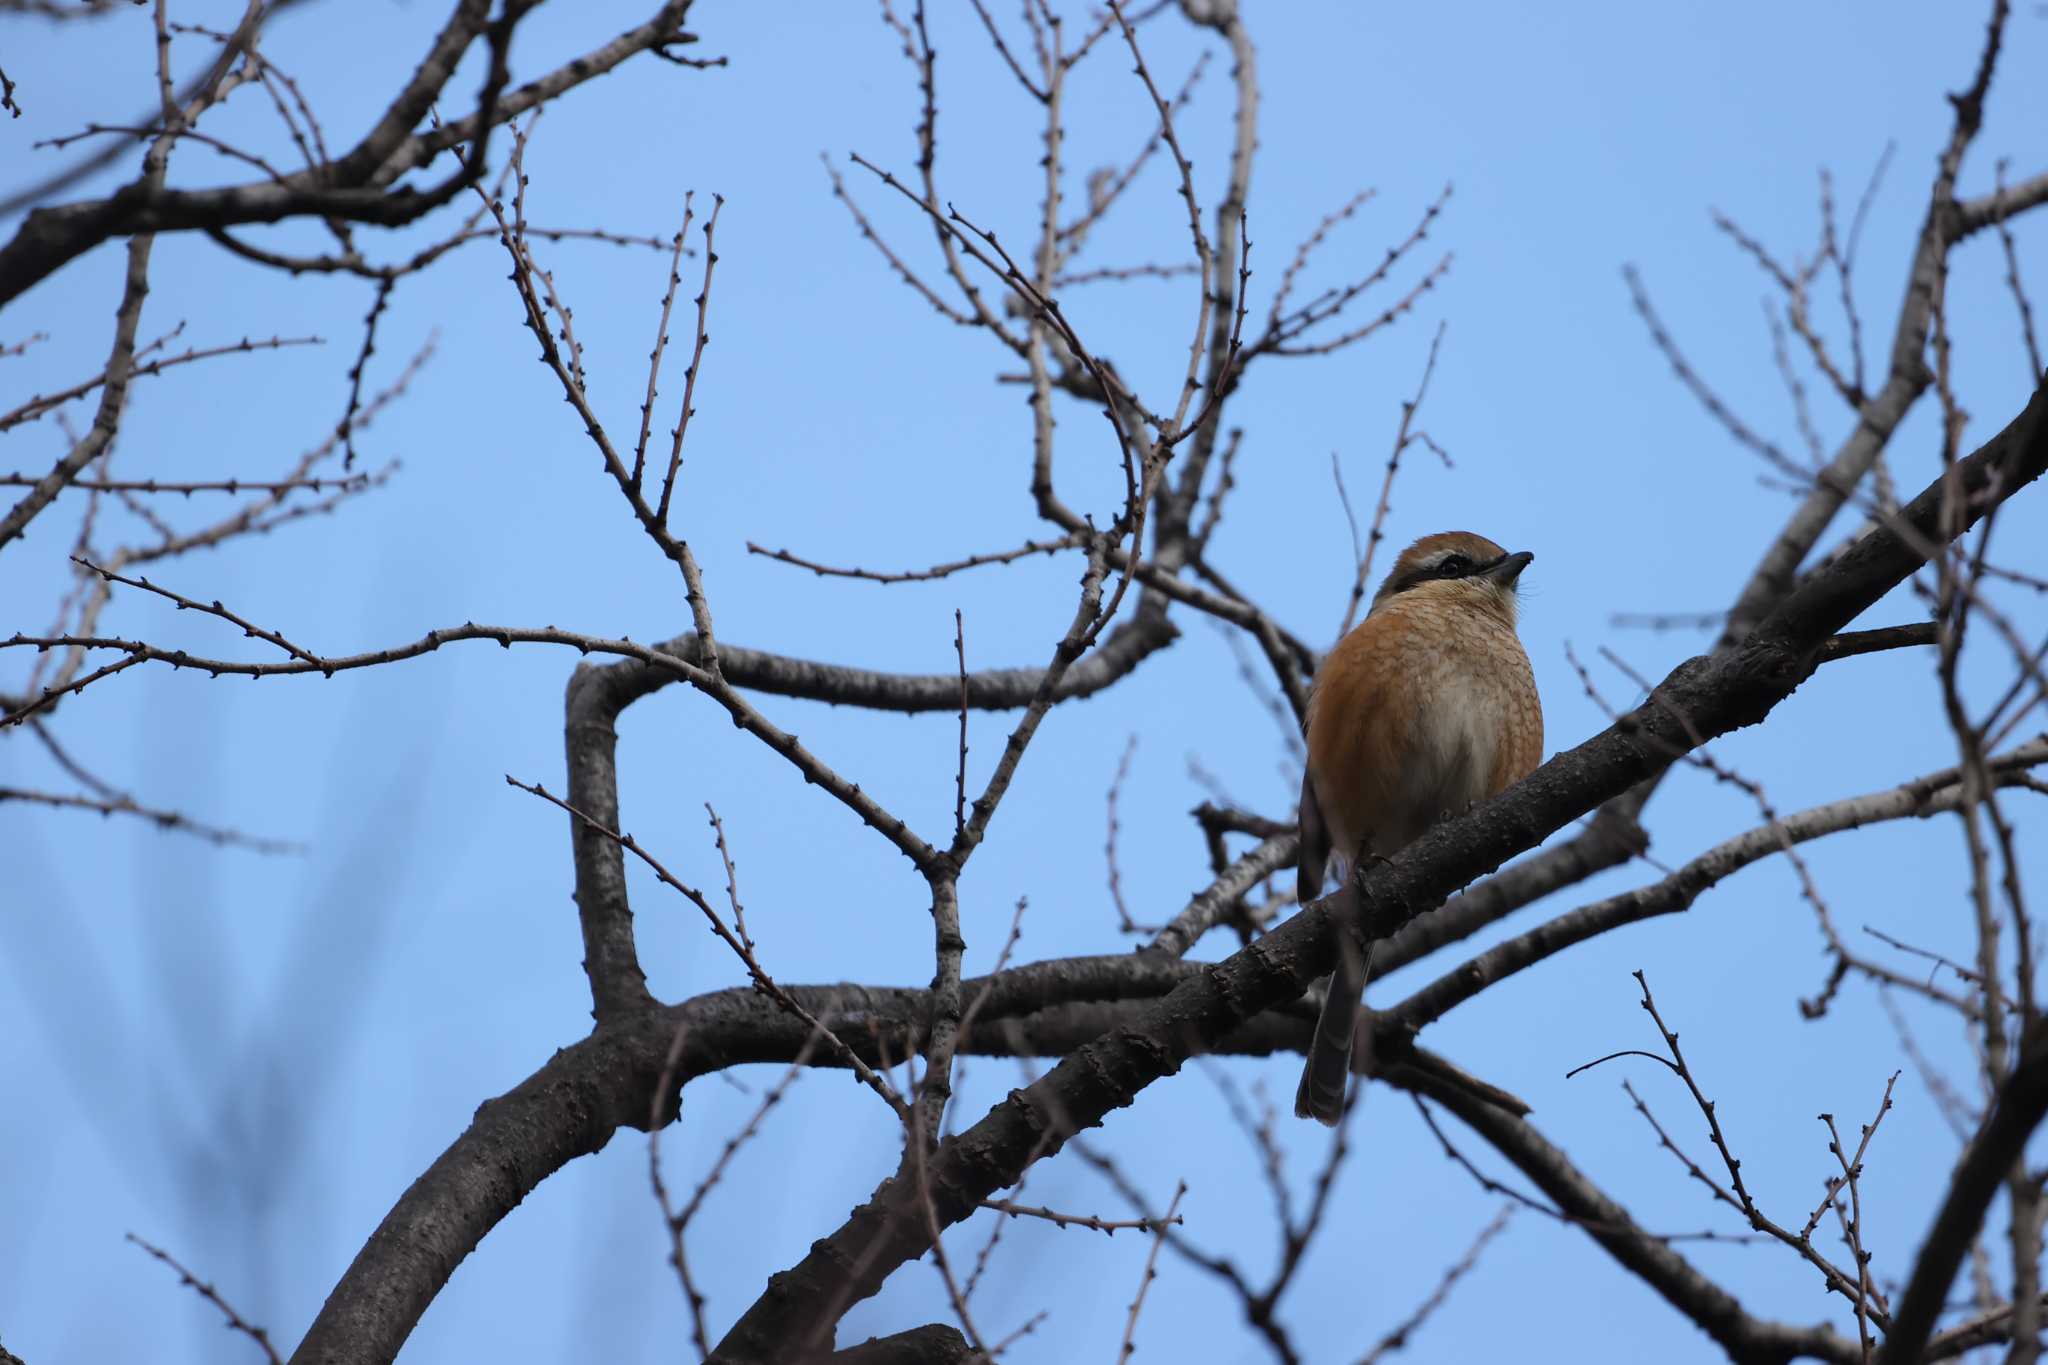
1610, 839
610, 958
2022, 1103
990, 689
935, 1343
586, 1092
1207, 909
569, 1108
1702, 698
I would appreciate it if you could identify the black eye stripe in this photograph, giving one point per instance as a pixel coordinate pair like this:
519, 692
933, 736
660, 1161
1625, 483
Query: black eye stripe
1451, 566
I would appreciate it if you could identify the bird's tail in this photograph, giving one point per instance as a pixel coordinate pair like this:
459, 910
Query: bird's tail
1320, 1095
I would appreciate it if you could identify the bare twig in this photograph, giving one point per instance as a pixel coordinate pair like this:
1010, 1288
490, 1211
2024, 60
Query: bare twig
960, 775
1399, 1337
668, 299
1028, 548
353, 483
873, 1079
41, 404
703, 301
677, 1221
1735, 1193
236, 1322
2012, 278
1852, 1219
1079, 1220
1403, 438
1130, 1342
1124, 922
121, 804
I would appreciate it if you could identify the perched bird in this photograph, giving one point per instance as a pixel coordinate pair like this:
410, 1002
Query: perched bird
1424, 709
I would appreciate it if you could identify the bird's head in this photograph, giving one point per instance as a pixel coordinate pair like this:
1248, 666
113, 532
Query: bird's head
1457, 569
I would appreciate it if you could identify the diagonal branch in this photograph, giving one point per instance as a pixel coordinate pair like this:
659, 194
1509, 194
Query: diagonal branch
1923, 797
1702, 699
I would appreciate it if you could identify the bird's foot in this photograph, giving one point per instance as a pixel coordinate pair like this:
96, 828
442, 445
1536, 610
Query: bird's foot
1365, 863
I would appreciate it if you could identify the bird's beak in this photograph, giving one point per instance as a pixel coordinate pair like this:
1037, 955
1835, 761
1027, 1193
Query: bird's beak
1508, 568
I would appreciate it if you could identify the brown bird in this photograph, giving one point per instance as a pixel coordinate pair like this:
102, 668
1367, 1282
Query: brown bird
1423, 710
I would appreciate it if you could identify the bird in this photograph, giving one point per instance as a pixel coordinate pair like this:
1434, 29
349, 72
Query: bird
1423, 710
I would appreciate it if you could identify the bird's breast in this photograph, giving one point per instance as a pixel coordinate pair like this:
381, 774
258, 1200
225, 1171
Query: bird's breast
1454, 744
1418, 715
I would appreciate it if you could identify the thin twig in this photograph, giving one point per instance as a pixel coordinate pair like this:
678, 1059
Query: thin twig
236, 1322
675, 454
1130, 1342
874, 1080
1399, 1337
668, 300
936, 571
1079, 1220
960, 774
1124, 922
121, 804
1402, 440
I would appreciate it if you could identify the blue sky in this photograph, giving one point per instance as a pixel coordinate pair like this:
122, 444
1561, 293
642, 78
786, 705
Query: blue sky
247, 1058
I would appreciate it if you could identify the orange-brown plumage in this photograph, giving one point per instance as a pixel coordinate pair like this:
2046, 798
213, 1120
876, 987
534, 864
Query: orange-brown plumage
1424, 709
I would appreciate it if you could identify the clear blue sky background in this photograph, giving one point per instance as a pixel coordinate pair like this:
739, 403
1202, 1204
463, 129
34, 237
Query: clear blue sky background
248, 1058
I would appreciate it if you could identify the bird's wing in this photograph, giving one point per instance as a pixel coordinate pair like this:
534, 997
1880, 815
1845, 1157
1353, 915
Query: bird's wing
1315, 845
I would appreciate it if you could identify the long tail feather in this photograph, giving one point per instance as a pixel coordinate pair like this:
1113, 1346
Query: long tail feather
1320, 1095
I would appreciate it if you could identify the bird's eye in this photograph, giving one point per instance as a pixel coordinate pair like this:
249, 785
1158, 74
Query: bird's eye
1453, 566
